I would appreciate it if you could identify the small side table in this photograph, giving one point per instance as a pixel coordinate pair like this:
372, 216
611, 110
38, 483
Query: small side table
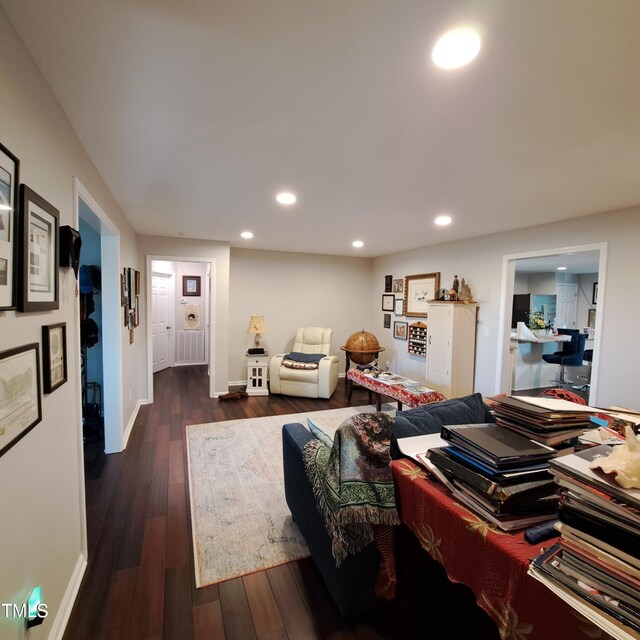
257, 371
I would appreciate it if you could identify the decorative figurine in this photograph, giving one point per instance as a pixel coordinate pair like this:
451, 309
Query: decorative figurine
456, 284
465, 294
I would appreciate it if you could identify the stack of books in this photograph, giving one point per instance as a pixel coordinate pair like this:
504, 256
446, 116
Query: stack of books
549, 421
596, 564
499, 474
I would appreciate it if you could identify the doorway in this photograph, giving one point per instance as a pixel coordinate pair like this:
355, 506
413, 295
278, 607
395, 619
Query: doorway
532, 262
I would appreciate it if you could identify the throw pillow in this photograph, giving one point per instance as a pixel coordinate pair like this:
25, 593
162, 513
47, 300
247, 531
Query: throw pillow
430, 418
319, 433
305, 357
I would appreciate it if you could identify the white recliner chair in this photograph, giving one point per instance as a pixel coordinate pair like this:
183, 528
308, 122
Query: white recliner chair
320, 382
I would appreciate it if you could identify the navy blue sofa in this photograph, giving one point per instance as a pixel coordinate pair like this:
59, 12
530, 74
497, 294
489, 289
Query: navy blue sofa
352, 584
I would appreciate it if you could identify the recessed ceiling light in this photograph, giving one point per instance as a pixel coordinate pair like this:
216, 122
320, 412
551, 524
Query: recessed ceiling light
357, 244
561, 268
247, 234
285, 197
456, 48
443, 221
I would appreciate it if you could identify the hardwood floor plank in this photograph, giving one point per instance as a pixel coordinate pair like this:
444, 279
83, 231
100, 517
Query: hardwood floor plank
207, 622
149, 597
132, 537
177, 553
162, 442
118, 609
176, 462
96, 513
178, 616
264, 610
295, 615
236, 614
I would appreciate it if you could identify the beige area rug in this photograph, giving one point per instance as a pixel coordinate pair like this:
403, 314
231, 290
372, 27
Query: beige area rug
240, 519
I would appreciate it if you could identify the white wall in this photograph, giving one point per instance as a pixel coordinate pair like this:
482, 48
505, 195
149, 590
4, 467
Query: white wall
479, 260
217, 253
296, 290
585, 296
41, 476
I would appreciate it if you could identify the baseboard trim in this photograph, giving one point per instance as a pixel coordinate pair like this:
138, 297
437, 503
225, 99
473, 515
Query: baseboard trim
64, 612
132, 419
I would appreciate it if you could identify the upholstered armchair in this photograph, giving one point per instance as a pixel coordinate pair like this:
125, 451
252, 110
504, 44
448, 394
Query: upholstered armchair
308, 371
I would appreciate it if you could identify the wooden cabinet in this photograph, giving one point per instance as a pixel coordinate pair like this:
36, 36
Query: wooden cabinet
451, 348
257, 370
417, 341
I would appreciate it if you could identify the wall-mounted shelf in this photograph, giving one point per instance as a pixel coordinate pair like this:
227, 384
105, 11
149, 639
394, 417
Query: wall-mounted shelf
417, 341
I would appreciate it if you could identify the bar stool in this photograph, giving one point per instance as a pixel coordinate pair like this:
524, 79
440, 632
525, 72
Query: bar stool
587, 357
570, 356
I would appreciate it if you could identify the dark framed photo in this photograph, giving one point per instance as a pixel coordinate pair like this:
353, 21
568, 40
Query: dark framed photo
20, 403
398, 308
400, 330
398, 285
594, 297
388, 282
190, 285
388, 301
137, 279
9, 181
38, 253
591, 319
387, 320
418, 291
54, 356
124, 291
131, 287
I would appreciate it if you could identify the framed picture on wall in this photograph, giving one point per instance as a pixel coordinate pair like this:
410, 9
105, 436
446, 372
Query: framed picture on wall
38, 253
594, 297
400, 330
9, 181
54, 356
20, 403
388, 280
191, 285
388, 301
398, 308
398, 285
387, 320
418, 291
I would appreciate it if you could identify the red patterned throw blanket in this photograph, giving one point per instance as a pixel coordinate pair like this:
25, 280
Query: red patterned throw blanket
353, 485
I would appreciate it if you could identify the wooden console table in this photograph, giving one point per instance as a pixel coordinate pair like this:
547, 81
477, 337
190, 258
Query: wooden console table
398, 392
492, 563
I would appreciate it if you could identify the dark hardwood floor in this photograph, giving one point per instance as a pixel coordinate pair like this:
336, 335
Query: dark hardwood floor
140, 579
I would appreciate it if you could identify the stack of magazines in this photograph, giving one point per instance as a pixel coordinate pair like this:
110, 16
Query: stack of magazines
550, 421
500, 475
596, 564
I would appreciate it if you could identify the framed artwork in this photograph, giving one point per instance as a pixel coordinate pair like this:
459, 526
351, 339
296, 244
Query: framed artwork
54, 356
594, 297
418, 291
9, 181
591, 318
400, 330
124, 291
387, 320
190, 285
398, 308
398, 286
388, 280
131, 287
388, 301
137, 279
20, 403
38, 253
136, 313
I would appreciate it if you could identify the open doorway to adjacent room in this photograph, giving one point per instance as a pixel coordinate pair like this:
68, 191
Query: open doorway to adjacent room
547, 290
180, 313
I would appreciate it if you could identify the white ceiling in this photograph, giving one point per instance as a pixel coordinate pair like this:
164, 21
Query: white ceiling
578, 262
196, 112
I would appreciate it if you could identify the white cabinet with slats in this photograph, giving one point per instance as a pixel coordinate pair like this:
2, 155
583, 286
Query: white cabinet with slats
451, 347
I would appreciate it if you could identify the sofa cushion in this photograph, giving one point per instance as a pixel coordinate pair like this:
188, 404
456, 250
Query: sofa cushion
321, 435
430, 418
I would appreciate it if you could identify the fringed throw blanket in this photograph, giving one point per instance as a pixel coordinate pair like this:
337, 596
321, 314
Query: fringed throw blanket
353, 486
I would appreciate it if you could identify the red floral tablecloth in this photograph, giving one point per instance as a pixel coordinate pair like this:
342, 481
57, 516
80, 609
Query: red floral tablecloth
396, 391
491, 562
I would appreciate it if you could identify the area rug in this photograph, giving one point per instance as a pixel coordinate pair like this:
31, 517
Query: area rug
239, 516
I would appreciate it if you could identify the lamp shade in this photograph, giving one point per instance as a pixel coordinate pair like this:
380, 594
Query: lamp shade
256, 324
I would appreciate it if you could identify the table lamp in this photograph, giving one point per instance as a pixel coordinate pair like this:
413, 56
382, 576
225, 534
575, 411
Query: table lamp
257, 327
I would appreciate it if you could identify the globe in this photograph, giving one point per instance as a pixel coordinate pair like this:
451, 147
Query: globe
362, 347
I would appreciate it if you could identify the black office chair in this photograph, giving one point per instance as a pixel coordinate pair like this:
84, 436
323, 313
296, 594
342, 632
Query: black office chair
587, 357
571, 355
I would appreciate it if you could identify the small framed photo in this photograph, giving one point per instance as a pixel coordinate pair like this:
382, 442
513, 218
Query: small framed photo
191, 285
54, 356
400, 330
124, 291
388, 280
387, 320
591, 318
38, 253
594, 297
131, 287
20, 403
418, 291
388, 301
9, 181
398, 308
398, 286
137, 279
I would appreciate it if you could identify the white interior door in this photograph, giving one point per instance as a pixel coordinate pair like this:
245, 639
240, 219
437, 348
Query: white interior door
161, 320
567, 305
